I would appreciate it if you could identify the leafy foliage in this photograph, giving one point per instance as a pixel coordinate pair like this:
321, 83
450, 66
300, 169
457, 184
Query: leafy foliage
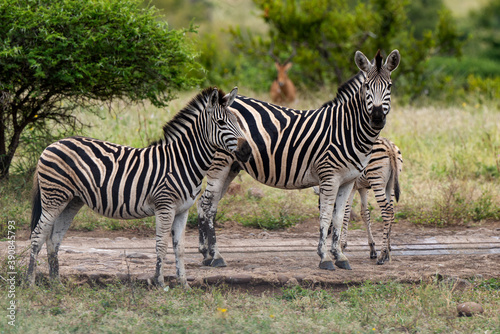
486, 25
423, 15
326, 34
59, 54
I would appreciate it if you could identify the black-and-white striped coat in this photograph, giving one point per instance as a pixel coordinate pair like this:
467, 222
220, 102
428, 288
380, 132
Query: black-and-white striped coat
118, 181
382, 176
293, 149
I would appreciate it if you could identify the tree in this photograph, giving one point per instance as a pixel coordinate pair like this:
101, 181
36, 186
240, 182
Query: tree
486, 30
327, 33
57, 55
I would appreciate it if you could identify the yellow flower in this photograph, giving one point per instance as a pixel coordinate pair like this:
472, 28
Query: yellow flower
222, 310
271, 315
36, 116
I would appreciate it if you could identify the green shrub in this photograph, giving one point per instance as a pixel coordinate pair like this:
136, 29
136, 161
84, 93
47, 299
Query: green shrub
59, 55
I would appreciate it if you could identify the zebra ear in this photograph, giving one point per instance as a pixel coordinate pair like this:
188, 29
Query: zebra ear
229, 98
362, 62
213, 100
392, 61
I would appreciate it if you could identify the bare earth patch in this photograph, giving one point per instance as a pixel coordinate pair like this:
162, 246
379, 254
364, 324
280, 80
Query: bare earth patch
259, 258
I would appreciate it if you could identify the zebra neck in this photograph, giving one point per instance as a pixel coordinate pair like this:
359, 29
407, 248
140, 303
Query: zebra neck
361, 123
188, 154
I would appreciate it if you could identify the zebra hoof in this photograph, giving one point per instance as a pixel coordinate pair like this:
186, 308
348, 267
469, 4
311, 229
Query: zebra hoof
343, 265
207, 262
217, 263
327, 265
373, 255
158, 283
384, 256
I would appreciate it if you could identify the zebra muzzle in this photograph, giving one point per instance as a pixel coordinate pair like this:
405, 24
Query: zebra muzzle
377, 121
243, 151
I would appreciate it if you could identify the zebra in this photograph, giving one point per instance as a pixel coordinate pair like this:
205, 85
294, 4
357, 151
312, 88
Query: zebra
381, 175
294, 149
162, 179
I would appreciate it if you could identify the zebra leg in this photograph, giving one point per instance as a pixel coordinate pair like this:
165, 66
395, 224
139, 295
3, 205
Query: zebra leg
61, 226
164, 220
326, 194
343, 194
42, 232
365, 213
178, 228
347, 217
332, 207
385, 203
218, 179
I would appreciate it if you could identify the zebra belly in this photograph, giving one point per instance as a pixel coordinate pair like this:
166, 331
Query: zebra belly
125, 210
299, 179
305, 180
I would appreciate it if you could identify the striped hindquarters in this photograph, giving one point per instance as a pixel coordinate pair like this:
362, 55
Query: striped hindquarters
386, 163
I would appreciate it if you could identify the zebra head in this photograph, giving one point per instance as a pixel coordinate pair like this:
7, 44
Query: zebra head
225, 128
376, 89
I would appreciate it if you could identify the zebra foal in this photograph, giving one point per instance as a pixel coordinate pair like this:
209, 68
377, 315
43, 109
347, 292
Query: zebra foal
382, 176
294, 149
118, 181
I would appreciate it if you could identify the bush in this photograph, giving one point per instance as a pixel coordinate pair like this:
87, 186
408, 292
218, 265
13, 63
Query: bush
58, 55
326, 35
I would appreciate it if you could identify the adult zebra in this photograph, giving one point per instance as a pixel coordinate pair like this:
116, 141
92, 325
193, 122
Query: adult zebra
117, 181
293, 149
382, 176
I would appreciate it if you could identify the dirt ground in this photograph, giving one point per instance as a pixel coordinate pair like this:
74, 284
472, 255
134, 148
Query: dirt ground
266, 259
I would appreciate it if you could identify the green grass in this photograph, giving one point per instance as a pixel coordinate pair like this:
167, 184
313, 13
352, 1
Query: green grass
451, 162
369, 308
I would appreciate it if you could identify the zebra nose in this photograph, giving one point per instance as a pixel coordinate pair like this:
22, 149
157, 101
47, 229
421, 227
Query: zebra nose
243, 151
377, 121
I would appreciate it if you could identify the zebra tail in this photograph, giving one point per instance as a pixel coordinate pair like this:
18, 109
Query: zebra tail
396, 186
393, 156
36, 203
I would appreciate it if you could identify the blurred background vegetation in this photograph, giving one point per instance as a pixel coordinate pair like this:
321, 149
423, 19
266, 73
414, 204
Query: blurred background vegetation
450, 50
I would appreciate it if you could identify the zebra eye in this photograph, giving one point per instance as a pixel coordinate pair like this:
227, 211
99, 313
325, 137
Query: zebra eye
389, 86
221, 122
367, 86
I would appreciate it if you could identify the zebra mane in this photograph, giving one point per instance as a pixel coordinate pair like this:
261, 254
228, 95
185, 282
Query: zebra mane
347, 89
187, 115
378, 60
